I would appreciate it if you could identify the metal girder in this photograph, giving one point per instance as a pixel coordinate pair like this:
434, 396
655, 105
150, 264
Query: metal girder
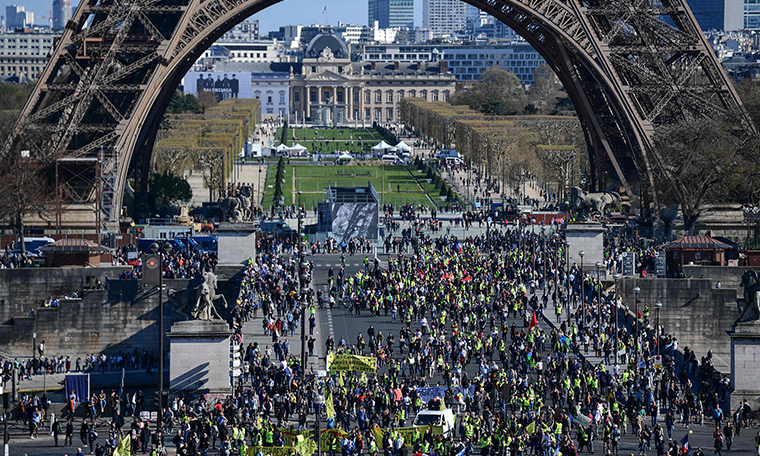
628, 72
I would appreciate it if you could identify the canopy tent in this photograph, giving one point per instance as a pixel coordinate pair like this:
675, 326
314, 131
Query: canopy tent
345, 157
297, 150
382, 145
404, 147
282, 148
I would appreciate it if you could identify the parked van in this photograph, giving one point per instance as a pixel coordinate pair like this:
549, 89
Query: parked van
31, 244
392, 159
444, 418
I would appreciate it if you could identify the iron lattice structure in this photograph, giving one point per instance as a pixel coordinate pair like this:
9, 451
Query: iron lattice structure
627, 71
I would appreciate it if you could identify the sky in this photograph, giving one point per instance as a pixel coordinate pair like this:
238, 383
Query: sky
305, 12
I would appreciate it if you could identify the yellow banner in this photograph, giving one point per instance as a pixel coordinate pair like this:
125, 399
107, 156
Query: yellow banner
329, 405
351, 363
326, 436
272, 451
410, 434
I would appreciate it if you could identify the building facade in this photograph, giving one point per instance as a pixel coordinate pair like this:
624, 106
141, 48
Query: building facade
444, 17
245, 31
24, 54
331, 89
391, 13
61, 13
467, 63
17, 18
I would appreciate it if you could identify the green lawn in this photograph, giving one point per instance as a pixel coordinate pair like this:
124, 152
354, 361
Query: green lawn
328, 140
397, 187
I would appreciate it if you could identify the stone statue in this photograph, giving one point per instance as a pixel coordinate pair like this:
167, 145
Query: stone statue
751, 285
237, 208
592, 204
326, 55
204, 303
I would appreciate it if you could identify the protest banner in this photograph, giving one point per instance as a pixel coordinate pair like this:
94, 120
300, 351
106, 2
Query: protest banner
410, 434
351, 363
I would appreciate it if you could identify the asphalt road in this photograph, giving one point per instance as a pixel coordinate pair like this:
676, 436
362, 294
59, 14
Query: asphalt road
341, 324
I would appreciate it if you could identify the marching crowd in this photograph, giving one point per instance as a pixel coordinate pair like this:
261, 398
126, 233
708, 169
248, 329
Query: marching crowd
496, 327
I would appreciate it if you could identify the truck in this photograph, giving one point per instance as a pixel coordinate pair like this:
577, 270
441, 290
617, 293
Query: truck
444, 418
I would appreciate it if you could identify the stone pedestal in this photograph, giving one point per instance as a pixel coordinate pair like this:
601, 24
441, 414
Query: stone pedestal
237, 242
200, 357
745, 363
589, 238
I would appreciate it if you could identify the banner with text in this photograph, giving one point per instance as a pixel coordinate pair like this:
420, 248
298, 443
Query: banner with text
351, 363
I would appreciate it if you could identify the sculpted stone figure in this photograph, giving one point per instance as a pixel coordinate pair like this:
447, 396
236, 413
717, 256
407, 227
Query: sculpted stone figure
204, 303
751, 285
592, 204
237, 208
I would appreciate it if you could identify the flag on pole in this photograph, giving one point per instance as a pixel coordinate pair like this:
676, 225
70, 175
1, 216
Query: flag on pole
329, 405
124, 447
531, 428
324, 10
686, 448
533, 320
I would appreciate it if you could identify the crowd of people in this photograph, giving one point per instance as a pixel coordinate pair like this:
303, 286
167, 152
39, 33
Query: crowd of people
508, 346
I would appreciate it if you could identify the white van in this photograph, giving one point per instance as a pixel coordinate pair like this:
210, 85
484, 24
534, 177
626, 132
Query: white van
444, 418
392, 159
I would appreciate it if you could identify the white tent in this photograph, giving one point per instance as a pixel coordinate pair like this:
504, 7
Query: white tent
345, 157
297, 149
382, 146
404, 147
282, 148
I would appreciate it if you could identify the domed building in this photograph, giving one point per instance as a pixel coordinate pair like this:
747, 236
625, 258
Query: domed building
332, 89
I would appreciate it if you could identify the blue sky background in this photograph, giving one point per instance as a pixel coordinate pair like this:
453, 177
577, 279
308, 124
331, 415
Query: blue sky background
304, 12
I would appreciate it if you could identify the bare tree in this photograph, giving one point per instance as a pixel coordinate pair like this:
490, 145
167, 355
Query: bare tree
694, 160
24, 192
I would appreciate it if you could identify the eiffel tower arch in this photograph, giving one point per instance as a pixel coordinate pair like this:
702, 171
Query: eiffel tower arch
101, 97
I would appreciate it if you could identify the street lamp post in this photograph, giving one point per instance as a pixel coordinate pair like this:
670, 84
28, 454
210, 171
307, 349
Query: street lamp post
599, 304
543, 258
614, 315
167, 247
582, 307
567, 277
636, 291
301, 273
657, 307
555, 238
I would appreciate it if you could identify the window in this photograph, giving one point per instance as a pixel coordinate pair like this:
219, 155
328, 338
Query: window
423, 94
326, 96
282, 97
401, 94
412, 93
313, 69
435, 95
367, 97
269, 99
378, 97
389, 96
366, 113
445, 95
313, 96
356, 97
297, 96
388, 114
339, 96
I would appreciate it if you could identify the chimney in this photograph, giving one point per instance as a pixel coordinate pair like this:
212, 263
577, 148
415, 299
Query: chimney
396, 65
443, 67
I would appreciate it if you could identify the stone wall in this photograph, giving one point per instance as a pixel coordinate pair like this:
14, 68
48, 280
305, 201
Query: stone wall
121, 318
728, 276
27, 288
693, 310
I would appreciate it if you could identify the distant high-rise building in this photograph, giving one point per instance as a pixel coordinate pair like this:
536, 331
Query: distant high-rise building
245, 31
728, 15
391, 13
61, 13
444, 17
473, 17
16, 17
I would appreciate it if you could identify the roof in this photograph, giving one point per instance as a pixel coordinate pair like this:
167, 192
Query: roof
73, 245
697, 243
